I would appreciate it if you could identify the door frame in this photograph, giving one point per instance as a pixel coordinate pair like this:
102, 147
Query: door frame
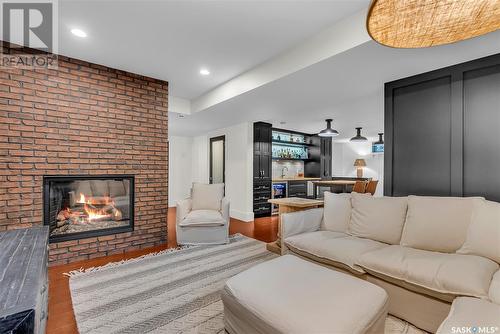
218, 138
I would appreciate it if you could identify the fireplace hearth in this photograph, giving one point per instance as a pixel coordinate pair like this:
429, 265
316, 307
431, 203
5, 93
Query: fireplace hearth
78, 207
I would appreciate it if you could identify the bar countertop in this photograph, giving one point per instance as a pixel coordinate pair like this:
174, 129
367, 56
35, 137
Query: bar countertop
285, 179
296, 202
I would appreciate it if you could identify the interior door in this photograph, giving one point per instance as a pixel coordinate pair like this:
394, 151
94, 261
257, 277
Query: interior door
217, 159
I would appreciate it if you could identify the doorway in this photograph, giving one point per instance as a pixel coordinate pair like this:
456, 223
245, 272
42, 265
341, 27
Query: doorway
217, 159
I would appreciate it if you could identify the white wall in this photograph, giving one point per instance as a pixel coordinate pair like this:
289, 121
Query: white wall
179, 168
239, 164
200, 168
344, 154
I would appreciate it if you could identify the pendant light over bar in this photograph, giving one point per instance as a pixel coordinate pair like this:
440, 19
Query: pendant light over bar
328, 132
358, 136
424, 23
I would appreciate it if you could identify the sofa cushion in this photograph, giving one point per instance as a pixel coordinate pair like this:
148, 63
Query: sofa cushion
333, 248
203, 218
117, 188
378, 218
471, 315
207, 196
99, 188
494, 293
337, 212
483, 235
82, 187
437, 223
452, 274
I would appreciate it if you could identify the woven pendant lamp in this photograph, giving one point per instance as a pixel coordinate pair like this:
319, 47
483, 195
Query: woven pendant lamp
424, 23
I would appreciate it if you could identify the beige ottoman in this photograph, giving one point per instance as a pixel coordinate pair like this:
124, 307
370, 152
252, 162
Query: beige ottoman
291, 295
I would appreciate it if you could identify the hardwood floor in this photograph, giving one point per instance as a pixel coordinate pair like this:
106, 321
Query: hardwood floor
61, 318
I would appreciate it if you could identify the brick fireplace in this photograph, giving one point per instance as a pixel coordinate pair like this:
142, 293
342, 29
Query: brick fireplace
83, 119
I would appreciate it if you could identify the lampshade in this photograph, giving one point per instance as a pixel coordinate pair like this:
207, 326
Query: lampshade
358, 136
424, 23
360, 163
328, 132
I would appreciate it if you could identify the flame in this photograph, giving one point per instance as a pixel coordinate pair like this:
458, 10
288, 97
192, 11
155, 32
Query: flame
82, 199
94, 213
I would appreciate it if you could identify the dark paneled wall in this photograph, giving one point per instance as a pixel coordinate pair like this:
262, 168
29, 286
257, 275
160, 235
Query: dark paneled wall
442, 132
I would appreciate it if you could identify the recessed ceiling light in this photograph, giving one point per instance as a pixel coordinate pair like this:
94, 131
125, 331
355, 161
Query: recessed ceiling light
78, 32
204, 71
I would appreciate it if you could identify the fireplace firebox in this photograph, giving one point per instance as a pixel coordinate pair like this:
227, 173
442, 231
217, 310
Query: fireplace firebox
77, 207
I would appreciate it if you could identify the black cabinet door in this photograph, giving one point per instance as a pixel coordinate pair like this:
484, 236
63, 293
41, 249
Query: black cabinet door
442, 132
422, 139
257, 171
297, 189
265, 166
481, 133
256, 139
262, 151
262, 134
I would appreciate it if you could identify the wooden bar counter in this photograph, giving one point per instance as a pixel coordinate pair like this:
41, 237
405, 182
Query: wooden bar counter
286, 205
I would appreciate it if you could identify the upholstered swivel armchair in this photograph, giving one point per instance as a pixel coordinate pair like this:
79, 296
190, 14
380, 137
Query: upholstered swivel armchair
203, 218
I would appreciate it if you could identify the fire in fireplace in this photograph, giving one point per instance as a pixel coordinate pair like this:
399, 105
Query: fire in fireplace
85, 206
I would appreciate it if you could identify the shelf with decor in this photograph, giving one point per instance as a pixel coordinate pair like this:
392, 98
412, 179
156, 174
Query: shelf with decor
281, 142
285, 137
290, 152
291, 159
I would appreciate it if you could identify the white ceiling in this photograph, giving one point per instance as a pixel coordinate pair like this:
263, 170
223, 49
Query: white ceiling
347, 87
172, 40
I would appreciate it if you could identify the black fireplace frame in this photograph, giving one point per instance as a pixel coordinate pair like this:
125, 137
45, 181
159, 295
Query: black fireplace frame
94, 233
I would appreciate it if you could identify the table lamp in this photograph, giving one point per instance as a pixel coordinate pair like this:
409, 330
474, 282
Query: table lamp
359, 164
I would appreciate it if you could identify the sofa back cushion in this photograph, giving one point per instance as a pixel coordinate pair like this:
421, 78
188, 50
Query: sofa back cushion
483, 235
378, 218
437, 223
117, 188
82, 187
207, 196
337, 212
99, 188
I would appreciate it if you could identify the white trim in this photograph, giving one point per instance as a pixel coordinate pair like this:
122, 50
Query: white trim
240, 215
179, 105
341, 36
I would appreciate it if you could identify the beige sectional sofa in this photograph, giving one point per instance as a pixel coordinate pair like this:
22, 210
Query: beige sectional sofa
426, 252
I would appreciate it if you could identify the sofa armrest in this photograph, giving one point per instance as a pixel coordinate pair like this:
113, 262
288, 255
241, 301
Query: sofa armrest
225, 209
182, 209
72, 198
469, 312
300, 222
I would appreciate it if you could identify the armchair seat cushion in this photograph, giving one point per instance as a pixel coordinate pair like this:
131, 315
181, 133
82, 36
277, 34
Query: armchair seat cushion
203, 218
428, 272
333, 248
471, 315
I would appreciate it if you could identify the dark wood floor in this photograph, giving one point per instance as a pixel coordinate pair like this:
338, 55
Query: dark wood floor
61, 318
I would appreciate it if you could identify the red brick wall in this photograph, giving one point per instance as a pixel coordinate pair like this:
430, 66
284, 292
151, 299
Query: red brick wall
83, 119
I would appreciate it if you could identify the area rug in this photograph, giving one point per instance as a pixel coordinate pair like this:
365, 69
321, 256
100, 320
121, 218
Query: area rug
174, 291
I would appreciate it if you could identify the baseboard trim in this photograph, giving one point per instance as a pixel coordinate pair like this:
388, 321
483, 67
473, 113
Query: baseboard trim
241, 215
